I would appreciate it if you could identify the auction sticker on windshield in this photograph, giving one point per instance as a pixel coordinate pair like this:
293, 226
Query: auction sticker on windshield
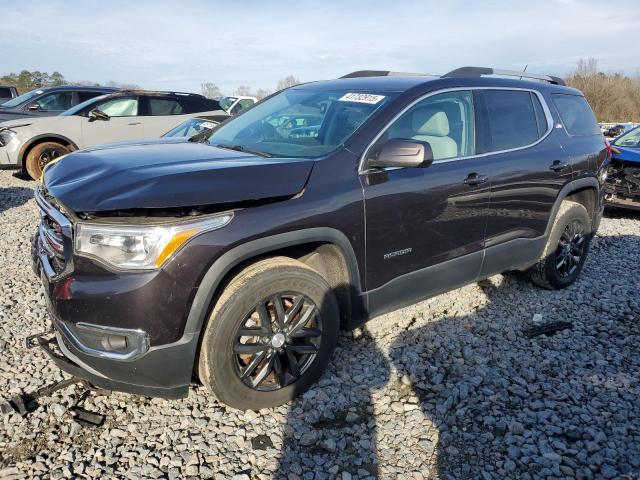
208, 125
361, 98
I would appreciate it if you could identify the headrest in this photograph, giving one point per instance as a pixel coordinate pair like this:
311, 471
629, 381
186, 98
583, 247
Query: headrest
427, 121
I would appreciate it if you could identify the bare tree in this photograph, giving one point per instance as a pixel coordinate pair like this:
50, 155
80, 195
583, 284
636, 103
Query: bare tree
210, 90
614, 97
262, 92
244, 90
287, 82
125, 86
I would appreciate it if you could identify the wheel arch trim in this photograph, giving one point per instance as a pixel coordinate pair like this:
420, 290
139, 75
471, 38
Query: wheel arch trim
35, 140
254, 248
568, 189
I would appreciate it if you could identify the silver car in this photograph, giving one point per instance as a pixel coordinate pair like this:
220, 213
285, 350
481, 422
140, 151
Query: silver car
31, 143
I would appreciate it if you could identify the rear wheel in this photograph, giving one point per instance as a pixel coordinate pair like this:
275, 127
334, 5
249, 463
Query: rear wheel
42, 154
270, 335
566, 249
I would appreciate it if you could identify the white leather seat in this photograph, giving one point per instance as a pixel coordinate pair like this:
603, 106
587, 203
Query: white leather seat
432, 125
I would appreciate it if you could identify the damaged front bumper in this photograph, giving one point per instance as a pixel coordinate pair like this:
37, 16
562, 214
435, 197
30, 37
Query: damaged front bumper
151, 376
622, 188
133, 359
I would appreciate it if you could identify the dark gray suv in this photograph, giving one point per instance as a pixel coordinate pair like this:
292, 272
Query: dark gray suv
49, 101
233, 258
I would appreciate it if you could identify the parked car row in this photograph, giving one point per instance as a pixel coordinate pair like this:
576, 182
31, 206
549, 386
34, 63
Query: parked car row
233, 254
31, 140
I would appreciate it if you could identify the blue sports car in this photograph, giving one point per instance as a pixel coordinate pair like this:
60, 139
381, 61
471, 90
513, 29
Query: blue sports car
623, 179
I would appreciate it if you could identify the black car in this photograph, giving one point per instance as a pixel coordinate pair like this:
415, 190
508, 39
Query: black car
233, 259
49, 101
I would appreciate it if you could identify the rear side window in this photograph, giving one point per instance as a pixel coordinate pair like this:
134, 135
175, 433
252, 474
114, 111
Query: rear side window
576, 114
5, 92
165, 106
511, 119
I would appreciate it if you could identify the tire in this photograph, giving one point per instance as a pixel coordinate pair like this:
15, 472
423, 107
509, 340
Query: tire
562, 261
42, 154
221, 363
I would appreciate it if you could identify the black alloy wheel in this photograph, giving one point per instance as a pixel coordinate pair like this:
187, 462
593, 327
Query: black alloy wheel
277, 341
571, 248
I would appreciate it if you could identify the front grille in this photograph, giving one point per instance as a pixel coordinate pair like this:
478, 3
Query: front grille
52, 241
54, 237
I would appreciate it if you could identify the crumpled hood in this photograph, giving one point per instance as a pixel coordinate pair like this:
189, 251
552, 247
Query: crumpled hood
169, 173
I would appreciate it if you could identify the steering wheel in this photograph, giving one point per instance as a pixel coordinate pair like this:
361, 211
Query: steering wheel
269, 132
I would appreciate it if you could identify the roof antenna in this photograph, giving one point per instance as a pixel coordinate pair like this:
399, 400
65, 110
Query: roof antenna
524, 69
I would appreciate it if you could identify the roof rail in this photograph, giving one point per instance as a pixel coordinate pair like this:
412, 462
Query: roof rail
381, 73
480, 71
159, 92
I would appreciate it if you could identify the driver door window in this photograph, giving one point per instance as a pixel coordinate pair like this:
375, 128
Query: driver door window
55, 102
445, 121
120, 107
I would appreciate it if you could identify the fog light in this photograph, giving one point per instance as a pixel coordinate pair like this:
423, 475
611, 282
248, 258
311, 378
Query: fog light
114, 343
107, 342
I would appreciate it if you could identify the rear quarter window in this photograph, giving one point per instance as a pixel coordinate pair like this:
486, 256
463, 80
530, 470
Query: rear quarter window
576, 114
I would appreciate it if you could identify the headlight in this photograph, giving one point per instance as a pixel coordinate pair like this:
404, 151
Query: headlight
6, 136
140, 247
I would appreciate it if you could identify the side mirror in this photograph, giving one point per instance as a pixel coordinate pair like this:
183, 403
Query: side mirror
34, 106
403, 153
98, 115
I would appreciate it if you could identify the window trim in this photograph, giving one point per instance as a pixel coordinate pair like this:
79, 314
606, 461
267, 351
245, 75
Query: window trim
543, 102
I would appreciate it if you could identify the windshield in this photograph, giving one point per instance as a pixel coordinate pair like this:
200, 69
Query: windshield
191, 127
81, 106
21, 99
226, 102
629, 139
303, 123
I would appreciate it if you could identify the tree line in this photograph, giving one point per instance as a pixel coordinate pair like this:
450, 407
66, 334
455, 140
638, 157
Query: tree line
211, 90
26, 81
614, 97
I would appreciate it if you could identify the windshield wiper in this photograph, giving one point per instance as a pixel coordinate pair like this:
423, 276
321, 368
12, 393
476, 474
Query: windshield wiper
240, 148
202, 136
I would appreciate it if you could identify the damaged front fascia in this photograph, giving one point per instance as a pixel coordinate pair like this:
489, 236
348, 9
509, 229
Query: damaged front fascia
623, 182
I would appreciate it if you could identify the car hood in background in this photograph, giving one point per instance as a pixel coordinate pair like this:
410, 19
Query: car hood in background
168, 173
627, 154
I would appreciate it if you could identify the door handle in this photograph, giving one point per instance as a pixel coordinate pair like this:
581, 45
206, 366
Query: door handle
135, 123
558, 166
475, 179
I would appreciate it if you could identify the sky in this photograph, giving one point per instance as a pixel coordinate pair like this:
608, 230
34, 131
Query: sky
179, 45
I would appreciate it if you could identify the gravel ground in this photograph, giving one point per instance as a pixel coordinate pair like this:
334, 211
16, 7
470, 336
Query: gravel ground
448, 388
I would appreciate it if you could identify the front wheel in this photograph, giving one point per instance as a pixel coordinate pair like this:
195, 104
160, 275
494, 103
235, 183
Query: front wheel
270, 335
566, 249
41, 155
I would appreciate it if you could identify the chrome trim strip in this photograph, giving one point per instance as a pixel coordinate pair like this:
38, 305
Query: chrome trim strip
139, 348
545, 107
66, 228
